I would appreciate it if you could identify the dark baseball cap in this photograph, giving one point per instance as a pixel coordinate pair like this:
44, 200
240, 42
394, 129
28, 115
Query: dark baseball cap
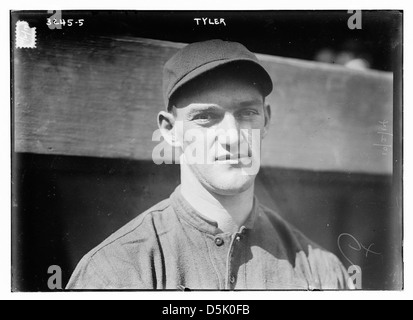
199, 58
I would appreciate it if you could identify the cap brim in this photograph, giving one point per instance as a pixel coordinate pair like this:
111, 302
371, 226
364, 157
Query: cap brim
266, 82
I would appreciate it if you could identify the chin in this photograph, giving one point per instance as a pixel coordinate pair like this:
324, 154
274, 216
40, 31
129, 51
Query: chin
225, 185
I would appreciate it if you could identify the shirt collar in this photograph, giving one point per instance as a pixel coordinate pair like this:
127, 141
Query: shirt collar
184, 209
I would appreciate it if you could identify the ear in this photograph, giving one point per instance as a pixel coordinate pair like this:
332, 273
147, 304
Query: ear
267, 115
166, 124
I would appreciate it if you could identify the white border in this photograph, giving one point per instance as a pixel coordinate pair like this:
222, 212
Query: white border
208, 5
5, 173
5, 234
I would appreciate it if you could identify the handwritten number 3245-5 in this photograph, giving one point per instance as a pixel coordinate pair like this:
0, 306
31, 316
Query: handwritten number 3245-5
63, 22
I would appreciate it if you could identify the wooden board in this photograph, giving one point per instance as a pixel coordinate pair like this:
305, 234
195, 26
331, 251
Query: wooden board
100, 96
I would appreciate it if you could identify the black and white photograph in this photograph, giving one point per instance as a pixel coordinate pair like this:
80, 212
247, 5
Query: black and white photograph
176, 150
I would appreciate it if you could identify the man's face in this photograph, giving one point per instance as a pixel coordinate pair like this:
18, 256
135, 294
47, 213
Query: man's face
217, 110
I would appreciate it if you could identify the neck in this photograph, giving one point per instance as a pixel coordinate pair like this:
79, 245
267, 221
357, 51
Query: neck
229, 211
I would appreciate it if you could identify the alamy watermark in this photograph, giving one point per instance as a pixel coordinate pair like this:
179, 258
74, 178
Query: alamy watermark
355, 20
348, 243
210, 147
55, 280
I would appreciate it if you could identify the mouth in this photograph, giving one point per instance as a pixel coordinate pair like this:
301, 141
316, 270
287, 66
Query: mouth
231, 159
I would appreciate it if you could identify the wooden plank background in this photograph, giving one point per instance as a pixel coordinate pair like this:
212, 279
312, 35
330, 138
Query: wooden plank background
100, 97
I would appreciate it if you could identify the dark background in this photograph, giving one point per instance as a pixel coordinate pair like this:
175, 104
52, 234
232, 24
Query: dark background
64, 206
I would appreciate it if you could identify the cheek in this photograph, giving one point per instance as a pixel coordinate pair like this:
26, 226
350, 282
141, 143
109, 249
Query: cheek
253, 137
260, 125
258, 122
188, 134
196, 145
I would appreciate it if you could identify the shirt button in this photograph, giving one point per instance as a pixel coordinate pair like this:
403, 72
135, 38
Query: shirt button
219, 242
232, 279
237, 238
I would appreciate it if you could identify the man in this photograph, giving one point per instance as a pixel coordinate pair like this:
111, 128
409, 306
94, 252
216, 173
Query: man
212, 233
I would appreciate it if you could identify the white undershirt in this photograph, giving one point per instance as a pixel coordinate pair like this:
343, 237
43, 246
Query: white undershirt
230, 212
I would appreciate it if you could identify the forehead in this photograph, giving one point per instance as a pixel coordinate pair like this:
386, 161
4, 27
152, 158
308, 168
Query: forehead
223, 89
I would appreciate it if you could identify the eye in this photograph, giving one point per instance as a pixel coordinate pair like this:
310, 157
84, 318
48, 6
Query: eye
247, 113
202, 117
205, 117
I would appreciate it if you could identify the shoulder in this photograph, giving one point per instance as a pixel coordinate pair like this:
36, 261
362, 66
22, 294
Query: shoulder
319, 265
139, 229
113, 262
289, 234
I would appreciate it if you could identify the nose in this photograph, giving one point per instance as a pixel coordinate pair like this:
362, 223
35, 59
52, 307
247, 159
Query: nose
229, 133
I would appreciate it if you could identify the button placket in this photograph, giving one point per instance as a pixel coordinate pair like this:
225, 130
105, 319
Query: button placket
219, 241
231, 277
219, 244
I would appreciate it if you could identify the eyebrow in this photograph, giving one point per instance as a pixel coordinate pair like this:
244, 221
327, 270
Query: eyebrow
252, 102
212, 107
203, 108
